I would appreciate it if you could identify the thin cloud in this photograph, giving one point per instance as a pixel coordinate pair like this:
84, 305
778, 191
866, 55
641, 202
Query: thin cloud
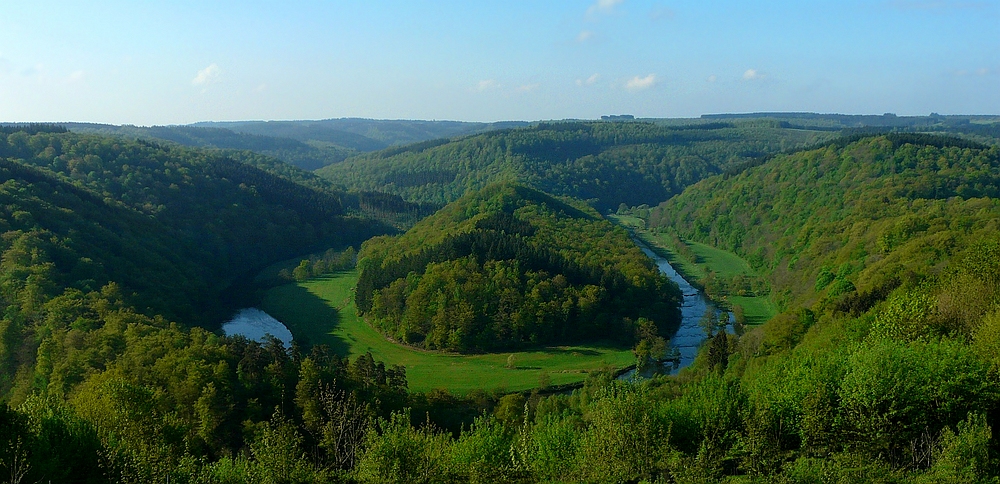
584, 36
487, 85
76, 76
639, 83
753, 75
590, 81
528, 87
207, 75
712, 78
982, 72
603, 6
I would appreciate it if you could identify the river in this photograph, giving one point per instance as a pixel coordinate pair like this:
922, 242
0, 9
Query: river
689, 336
255, 324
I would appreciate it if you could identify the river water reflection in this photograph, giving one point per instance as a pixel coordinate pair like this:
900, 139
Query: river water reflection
689, 336
254, 324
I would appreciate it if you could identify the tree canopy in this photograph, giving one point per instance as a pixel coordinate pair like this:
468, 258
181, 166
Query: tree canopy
510, 266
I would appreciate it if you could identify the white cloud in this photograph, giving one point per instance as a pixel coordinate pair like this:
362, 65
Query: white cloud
207, 75
261, 88
584, 36
487, 84
603, 6
638, 83
753, 75
590, 81
982, 72
528, 87
76, 76
712, 78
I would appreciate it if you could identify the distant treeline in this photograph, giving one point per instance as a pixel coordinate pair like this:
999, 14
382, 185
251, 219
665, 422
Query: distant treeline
604, 163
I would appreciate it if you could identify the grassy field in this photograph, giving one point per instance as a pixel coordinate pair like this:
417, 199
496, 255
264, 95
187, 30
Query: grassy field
322, 311
756, 310
724, 264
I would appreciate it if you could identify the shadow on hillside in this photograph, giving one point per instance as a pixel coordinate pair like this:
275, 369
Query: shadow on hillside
310, 319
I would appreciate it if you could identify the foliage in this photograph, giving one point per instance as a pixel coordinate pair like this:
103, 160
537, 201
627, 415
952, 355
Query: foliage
608, 163
507, 267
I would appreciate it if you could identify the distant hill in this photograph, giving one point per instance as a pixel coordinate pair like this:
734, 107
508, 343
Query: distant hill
609, 163
982, 128
509, 266
309, 145
362, 134
298, 153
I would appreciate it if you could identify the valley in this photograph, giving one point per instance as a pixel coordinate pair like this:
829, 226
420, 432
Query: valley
456, 297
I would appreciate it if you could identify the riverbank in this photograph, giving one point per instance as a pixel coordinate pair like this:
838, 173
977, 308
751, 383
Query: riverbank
710, 265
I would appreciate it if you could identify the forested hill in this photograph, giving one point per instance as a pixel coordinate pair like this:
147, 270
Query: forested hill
849, 219
376, 133
303, 154
173, 225
509, 266
607, 162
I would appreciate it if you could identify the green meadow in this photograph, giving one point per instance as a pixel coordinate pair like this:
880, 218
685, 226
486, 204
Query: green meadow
724, 264
322, 311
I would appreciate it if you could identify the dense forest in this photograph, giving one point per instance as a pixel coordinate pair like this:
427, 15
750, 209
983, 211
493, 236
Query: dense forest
509, 266
606, 163
308, 145
884, 365
374, 133
847, 216
307, 155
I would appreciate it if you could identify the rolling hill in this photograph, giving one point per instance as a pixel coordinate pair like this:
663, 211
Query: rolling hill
609, 163
509, 266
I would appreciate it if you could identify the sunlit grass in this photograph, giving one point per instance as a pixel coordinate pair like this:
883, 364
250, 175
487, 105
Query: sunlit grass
725, 264
322, 311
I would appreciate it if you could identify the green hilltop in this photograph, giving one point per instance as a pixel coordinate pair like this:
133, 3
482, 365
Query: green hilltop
509, 266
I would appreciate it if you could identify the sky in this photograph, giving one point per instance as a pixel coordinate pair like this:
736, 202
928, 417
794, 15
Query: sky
148, 62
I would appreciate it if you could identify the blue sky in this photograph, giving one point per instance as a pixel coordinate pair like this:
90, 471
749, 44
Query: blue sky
158, 62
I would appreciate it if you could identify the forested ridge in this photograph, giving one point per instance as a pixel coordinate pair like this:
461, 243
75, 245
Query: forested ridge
113, 251
509, 266
374, 133
304, 154
862, 209
607, 163
884, 365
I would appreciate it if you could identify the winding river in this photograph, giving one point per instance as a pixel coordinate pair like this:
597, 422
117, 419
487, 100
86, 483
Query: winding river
689, 336
254, 323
